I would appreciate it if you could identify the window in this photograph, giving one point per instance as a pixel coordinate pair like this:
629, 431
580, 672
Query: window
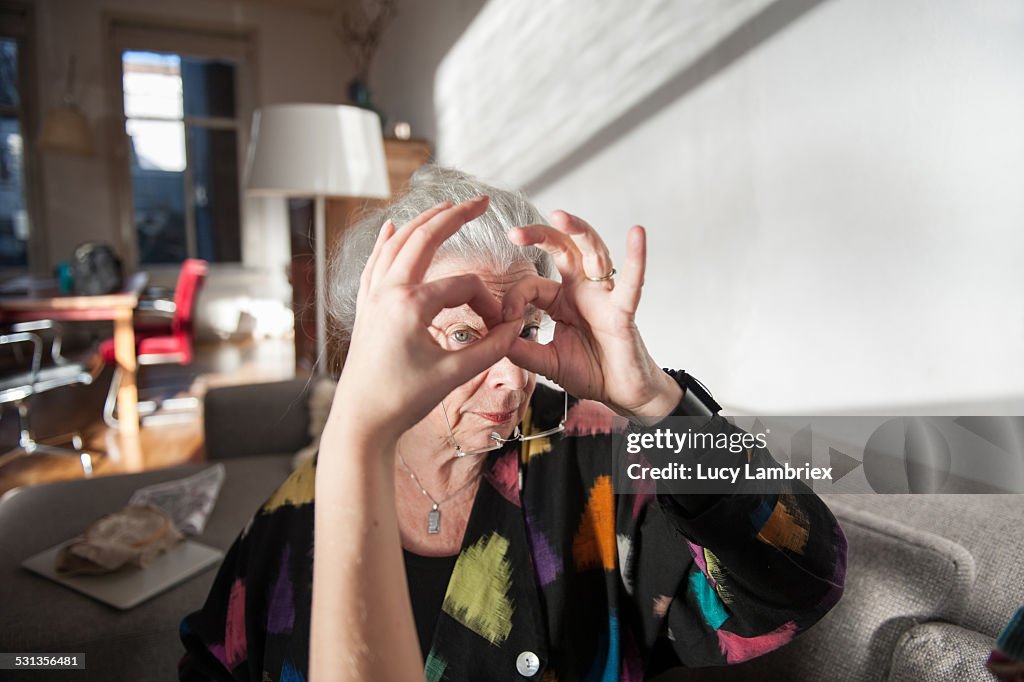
182, 121
14, 219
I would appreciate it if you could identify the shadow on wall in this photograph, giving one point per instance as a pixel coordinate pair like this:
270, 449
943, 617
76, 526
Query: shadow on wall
754, 32
415, 44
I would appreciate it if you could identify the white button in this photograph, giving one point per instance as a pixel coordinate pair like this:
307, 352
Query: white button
527, 664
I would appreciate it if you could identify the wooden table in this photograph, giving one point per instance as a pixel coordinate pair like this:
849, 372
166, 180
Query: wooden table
38, 299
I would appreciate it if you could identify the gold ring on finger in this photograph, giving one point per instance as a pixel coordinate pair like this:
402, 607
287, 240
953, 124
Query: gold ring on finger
606, 278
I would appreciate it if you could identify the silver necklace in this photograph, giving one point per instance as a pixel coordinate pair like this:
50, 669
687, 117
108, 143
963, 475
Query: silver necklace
434, 515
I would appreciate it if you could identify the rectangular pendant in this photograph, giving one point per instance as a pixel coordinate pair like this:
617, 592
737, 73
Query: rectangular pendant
434, 521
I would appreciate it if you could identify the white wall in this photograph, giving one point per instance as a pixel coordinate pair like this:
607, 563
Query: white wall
479, 123
835, 216
298, 59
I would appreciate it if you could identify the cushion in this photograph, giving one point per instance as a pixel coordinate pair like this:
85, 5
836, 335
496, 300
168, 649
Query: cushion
256, 419
939, 652
178, 345
990, 527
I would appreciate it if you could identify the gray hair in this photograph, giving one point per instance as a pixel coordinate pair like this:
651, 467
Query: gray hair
483, 240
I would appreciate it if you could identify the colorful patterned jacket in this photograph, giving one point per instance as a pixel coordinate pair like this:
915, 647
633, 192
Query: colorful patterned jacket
594, 585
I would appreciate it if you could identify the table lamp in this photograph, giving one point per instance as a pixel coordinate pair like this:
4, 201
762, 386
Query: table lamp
318, 150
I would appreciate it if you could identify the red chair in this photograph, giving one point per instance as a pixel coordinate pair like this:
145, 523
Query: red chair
153, 346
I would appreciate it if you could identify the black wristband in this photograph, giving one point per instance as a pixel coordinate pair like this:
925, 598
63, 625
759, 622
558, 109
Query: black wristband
697, 400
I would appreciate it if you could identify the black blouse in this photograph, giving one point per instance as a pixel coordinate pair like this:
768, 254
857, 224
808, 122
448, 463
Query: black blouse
428, 578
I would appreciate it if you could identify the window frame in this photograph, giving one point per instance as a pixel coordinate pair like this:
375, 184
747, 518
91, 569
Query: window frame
194, 40
17, 21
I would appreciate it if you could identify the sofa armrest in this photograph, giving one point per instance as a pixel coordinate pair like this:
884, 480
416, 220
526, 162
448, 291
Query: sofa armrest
256, 419
941, 651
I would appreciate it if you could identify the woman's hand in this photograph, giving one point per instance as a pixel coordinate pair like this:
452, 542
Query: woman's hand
597, 351
396, 372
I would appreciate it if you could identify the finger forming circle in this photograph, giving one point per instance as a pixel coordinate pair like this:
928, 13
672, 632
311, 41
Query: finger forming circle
597, 260
559, 246
411, 264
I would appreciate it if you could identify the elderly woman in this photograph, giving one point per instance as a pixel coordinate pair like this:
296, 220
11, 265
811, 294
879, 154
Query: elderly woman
465, 522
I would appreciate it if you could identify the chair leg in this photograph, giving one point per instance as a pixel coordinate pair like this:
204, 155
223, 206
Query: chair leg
29, 446
84, 457
25, 440
174, 409
110, 405
145, 407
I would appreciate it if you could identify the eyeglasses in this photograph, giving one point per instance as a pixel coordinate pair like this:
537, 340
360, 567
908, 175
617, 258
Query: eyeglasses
500, 442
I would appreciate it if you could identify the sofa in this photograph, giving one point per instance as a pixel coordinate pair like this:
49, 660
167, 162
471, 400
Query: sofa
931, 579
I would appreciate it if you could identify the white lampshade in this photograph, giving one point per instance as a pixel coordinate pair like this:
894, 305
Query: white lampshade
320, 150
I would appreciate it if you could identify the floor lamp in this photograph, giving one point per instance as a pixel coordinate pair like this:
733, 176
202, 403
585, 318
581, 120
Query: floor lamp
318, 150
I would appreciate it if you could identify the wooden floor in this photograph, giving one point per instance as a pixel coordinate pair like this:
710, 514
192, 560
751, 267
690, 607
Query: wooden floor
57, 414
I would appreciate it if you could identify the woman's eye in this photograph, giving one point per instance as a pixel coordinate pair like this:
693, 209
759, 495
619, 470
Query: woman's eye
463, 336
530, 332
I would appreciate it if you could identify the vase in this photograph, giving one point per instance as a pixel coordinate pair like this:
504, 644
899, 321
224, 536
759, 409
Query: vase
360, 95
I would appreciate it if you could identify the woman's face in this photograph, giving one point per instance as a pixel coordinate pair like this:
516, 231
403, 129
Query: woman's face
496, 399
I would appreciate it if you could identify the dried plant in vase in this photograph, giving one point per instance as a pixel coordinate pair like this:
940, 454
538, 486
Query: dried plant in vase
360, 31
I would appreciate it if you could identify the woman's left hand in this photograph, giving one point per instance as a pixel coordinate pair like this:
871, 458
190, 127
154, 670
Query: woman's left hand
596, 352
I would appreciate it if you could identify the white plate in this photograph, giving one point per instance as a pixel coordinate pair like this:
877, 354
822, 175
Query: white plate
130, 587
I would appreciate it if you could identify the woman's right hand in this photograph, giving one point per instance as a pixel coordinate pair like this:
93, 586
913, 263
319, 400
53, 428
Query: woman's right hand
395, 371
